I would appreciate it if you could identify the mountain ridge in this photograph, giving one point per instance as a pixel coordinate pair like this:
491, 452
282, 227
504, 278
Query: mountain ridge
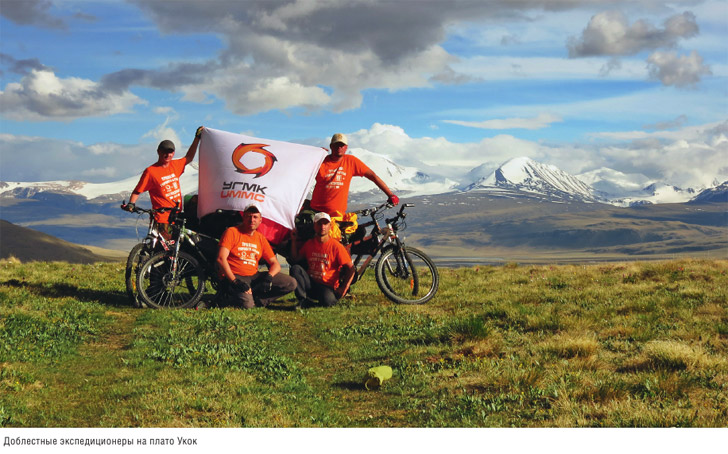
520, 174
89, 214
29, 245
477, 225
525, 174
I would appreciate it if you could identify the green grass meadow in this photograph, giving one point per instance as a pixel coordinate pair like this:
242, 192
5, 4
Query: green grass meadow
602, 345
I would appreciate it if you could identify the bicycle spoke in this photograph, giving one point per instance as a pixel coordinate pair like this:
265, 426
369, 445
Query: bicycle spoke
412, 279
160, 287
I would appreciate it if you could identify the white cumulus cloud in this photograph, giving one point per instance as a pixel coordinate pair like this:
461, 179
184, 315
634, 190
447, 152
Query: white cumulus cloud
609, 33
679, 70
658, 156
41, 95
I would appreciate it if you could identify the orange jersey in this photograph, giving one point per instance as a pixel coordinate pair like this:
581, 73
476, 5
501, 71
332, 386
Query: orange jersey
245, 250
325, 260
163, 186
332, 184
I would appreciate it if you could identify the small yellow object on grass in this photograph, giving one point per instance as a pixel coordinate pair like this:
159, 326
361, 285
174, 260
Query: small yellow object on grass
376, 376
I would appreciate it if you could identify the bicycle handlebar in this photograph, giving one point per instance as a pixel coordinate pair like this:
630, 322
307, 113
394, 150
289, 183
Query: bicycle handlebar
372, 211
149, 211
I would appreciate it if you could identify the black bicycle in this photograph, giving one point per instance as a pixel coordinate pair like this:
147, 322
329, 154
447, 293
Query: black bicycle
404, 274
177, 277
153, 242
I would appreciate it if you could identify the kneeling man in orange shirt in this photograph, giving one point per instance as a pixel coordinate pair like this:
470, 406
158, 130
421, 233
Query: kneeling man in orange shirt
240, 249
329, 267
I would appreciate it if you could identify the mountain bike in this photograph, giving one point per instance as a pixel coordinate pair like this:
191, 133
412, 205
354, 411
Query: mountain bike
404, 274
177, 277
153, 242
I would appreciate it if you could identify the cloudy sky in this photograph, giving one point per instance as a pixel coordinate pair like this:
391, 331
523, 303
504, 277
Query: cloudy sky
89, 87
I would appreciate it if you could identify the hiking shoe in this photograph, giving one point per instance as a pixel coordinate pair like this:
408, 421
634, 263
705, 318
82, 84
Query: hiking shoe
305, 303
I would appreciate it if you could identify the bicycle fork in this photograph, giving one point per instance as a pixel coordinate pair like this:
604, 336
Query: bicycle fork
405, 269
174, 266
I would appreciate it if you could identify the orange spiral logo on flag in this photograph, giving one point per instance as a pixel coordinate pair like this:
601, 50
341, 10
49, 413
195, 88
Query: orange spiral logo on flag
243, 149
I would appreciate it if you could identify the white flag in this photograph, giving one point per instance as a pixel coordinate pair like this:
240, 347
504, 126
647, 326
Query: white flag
237, 170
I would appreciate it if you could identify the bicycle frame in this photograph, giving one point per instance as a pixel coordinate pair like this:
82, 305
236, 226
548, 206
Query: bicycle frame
189, 240
386, 237
153, 237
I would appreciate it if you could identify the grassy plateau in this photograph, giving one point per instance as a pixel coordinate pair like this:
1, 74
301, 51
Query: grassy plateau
641, 344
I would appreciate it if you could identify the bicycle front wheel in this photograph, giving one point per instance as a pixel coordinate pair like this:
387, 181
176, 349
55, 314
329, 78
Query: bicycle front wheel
161, 286
407, 275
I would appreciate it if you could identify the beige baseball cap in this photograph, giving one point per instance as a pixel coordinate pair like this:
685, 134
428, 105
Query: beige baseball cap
318, 216
338, 137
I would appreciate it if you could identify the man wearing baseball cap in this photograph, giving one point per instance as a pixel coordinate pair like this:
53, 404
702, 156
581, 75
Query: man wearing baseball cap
161, 179
331, 192
329, 269
240, 250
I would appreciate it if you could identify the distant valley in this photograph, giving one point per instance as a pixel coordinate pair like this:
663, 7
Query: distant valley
522, 210
485, 226
529, 227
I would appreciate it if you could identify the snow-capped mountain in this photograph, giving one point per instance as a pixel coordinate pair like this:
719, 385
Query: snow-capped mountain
716, 194
666, 193
613, 183
622, 189
516, 176
94, 192
525, 174
88, 213
477, 175
602, 185
403, 180
408, 181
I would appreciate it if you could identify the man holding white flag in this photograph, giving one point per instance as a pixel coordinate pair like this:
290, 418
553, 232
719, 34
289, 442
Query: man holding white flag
237, 170
331, 193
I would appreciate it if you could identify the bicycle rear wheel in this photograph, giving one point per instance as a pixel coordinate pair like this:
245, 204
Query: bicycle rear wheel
407, 275
138, 255
161, 287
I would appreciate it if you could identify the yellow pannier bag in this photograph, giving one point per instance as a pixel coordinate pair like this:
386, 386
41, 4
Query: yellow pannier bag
335, 231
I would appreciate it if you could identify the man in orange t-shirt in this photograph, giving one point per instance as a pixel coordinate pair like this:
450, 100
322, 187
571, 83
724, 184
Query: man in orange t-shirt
240, 250
330, 269
161, 179
331, 193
